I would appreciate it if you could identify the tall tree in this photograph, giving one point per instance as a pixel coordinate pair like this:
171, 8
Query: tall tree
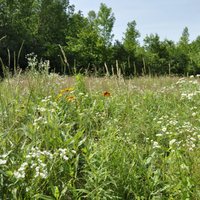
85, 47
130, 39
131, 44
18, 21
157, 54
194, 55
184, 39
183, 50
53, 20
105, 22
101, 24
54, 24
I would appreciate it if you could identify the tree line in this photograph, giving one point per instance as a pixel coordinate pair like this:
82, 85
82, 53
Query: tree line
77, 43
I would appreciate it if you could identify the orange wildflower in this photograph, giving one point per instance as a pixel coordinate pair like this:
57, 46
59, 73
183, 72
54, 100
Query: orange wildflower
106, 94
70, 98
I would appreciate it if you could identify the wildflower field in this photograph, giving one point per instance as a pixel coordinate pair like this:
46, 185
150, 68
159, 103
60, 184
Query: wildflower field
68, 138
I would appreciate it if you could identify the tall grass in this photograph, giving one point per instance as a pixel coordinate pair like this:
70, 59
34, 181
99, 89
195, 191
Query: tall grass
98, 138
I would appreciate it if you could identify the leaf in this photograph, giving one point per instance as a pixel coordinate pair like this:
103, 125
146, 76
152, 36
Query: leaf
56, 192
82, 141
44, 197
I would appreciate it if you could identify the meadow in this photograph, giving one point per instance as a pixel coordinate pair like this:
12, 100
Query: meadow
97, 138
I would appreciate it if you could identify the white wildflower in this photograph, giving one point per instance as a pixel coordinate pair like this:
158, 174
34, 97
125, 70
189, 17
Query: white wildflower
171, 142
19, 174
41, 172
2, 162
184, 166
173, 122
43, 175
164, 129
33, 165
194, 114
193, 139
65, 158
42, 109
156, 145
73, 151
23, 166
159, 135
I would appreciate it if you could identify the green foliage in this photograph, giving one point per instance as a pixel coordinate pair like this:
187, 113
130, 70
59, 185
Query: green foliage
53, 21
130, 40
194, 55
45, 27
184, 40
105, 21
40, 24
86, 47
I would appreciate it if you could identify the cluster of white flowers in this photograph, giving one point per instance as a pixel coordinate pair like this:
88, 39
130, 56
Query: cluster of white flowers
33, 63
32, 60
41, 170
36, 161
192, 141
155, 145
174, 136
184, 81
38, 121
188, 88
63, 153
181, 81
190, 95
46, 110
44, 65
165, 123
47, 105
188, 128
20, 173
3, 161
194, 111
36, 153
179, 134
3, 158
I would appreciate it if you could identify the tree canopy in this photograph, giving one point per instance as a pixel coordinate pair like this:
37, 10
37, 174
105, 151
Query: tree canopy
53, 29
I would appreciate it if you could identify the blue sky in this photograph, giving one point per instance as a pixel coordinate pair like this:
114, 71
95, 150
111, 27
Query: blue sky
165, 17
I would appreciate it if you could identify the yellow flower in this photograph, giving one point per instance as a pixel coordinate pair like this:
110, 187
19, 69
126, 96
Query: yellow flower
70, 98
106, 94
59, 96
66, 90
